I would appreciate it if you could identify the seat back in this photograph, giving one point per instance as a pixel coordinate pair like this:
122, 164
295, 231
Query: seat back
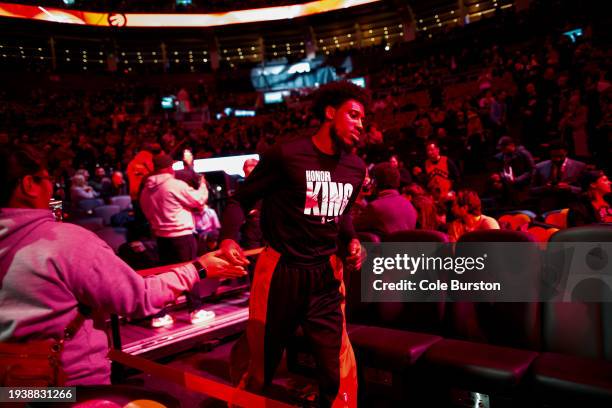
106, 212
422, 317
514, 324
123, 201
557, 218
90, 203
514, 222
581, 328
542, 234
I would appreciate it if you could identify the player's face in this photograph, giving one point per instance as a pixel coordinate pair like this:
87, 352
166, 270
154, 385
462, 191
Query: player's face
348, 122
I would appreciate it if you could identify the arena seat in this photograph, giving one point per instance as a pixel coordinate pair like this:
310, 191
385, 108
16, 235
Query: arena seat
514, 222
389, 363
106, 212
556, 218
90, 204
541, 234
478, 367
576, 367
587, 233
396, 336
422, 317
563, 380
123, 201
493, 343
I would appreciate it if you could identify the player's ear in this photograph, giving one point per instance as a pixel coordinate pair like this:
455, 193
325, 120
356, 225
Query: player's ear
330, 112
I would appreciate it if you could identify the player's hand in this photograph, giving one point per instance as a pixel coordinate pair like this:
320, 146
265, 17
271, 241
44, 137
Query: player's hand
355, 255
231, 251
217, 267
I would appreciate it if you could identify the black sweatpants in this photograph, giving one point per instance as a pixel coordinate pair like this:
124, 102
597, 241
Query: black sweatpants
284, 296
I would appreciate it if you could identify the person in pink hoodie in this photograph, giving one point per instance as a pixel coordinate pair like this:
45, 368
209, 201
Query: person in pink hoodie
169, 203
48, 270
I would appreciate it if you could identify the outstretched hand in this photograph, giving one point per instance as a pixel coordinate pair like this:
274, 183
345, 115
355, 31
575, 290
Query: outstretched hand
231, 251
217, 267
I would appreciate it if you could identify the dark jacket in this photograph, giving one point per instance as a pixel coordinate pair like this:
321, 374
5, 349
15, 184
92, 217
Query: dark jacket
388, 213
521, 162
572, 174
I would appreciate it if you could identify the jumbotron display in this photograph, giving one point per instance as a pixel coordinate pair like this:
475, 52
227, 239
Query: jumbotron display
175, 20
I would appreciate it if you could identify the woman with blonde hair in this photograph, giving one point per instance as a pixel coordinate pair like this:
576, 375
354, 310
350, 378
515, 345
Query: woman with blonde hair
80, 190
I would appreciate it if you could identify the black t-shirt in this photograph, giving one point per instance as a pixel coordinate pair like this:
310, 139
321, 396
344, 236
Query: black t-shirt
306, 197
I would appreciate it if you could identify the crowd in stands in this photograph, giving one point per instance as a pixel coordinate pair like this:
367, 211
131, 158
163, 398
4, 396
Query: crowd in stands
529, 130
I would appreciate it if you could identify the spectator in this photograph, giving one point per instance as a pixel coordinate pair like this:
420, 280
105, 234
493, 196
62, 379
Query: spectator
515, 163
100, 181
184, 103
594, 206
440, 171
248, 166
139, 167
573, 125
405, 177
250, 233
49, 268
532, 117
80, 191
168, 204
475, 143
389, 212
428, 215
207, 227
469, 217
117, 185
560, 173
188, 174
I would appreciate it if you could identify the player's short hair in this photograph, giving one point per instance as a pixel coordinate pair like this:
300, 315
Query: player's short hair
335, 94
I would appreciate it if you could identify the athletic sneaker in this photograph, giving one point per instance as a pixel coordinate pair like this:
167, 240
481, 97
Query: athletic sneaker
165, 320
201, 316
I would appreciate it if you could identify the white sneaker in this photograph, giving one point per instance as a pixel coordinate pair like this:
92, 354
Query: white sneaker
165, 320
201, 316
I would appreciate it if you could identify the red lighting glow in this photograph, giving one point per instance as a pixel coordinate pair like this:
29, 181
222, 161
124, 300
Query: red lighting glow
175, 20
